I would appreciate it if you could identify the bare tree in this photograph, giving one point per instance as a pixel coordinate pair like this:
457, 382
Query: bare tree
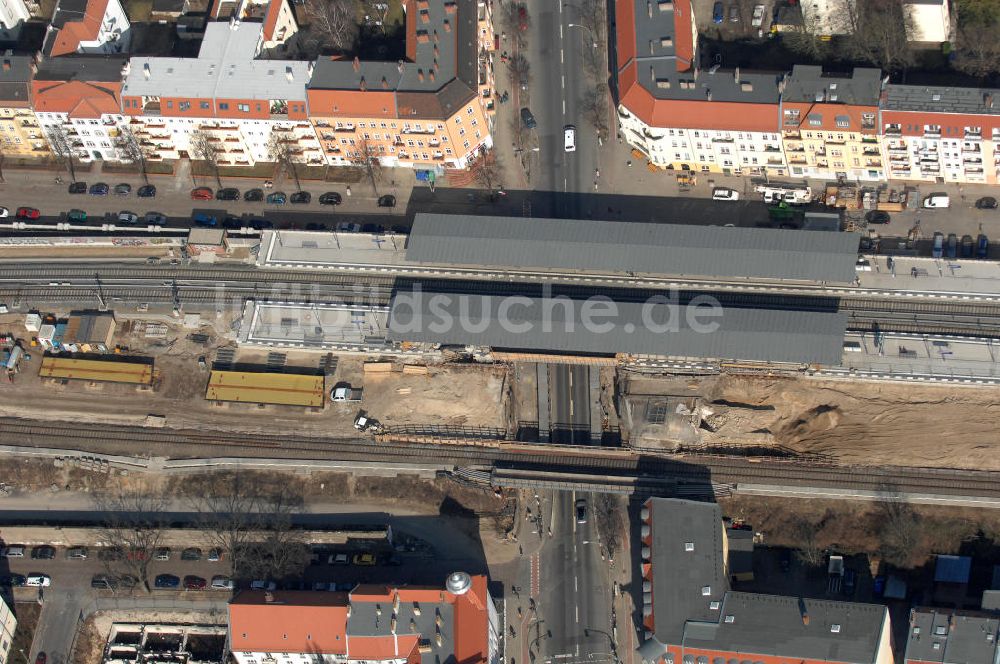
594, 105
516, 20
520, 71
283, 152
205, 149
368, 157
133, 528
333, 24
977, 51
62, 148
609, 514
878, 34
808, 552
379, 10
131, 150
487, 171
899, 530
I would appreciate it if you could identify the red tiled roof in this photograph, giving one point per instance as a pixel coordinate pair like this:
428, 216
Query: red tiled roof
912, 122
471, 622
313, 622
683, 34
382, 647
271, 18
73, 32
77, 98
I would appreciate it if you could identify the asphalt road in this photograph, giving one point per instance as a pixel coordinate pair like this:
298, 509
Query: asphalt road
569, 399
575, 599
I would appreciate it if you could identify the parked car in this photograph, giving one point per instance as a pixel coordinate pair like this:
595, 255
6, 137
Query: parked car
214, 555
13, 580
101, 582
758, 16
253, 195
277, 198
338, 559
163, 553
937, 248
155, 219
260, 584
76, 216
877, 217
166, 581
717, 13
146, 191
734, 13
387, 201
569, 138
348, 227
937, 201
192, 582
987, 203
725, 194
222, 583
982, 246
313, 226
951, 246
330, 198
77, 553
191, 553
227, 194
364, 559
232, 223
37, 580
123, 189
967, 247
12, 551
581, 510
527, 119
99, 189
4, 212
300, 198
201, 194
78, 188
27, 213
41, 658
126, 217
111, 554
202, 219
43, 553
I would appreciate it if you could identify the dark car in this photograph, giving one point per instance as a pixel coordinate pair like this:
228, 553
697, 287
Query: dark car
201, 219
968, 246
527, 119
201, 194
877, 217
315, 227
260, 224
330, 198
76, 216
146, 191
301, 198
78, 188
43, 553
717, 13
111, 554
99, 189
387, 201
101, 581
982, 246
155, 219
277, 198
41, 658
192, 553
192, 582
166, 581
581, 511
253, 195
987, 203
232, 223
227, 194
951, 246
12, 580
372, 228
123, 189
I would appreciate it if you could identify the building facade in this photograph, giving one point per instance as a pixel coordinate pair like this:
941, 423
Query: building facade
941, 134
20, 133
454, 623
13, 14
8, 625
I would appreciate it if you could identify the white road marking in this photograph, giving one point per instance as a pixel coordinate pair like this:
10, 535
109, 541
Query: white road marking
560, 26
564, 107
578, 620
562, 56
563, 77
576, 588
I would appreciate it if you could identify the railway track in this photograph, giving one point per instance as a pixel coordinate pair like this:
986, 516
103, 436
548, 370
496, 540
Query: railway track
691, 469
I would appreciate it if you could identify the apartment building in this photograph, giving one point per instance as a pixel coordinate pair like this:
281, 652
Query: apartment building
691, 616
941, 134
13, 14
828, 124
91, 27
78, 98
20, 133
8, 625
236, 100
454, 623
279, 27
945, 636
683, 118
433, 110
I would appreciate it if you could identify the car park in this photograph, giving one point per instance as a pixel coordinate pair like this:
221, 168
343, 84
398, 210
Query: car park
725, 194
146, 191
300, 198
937, 246
78, 188
877, 217
191, 553
951, 246
348, 227
581, 511
717, 13
569, 138
129, 218
253, 195
99, 189
330, 198
27, 213
227, 194
163, 553
13, 580
36, 580
222, 583
982, 246
76, 216
387, 201
201, 194
277, 198
155, 219
192, 582
77, 553
937, 201
123, 189
166, 581
364, 559
43, 553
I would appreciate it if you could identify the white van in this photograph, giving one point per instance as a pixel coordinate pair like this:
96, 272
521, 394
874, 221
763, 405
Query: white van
42, 580
15, 551
937, 201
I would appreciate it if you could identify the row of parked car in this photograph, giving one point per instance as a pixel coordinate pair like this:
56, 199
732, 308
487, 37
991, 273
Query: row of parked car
277, 197
953, 247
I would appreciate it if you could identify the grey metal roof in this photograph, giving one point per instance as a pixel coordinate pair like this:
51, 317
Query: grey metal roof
773, 625
561, 324
15, 79
952, 569
366, 621
940, 635
808, 83
591, 246
941, 99
91, 68
681, 576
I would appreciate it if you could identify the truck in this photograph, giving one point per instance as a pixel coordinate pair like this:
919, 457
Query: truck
368, 424
344, 393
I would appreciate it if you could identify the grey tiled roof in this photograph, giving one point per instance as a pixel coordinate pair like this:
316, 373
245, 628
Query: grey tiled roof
941, 99
808, 83
940, 635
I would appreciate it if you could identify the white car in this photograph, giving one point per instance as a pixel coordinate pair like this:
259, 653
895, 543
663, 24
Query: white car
937, 201
4, 212
758, 16
222, 583
128, 218
569, 138
725, 194
348, 227
36, 580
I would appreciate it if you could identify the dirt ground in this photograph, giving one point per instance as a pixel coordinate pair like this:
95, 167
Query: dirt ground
93, 633
849, 422
447, 396
27, 620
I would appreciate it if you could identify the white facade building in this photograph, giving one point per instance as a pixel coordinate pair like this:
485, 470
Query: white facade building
927, 21
13, 13
8, 625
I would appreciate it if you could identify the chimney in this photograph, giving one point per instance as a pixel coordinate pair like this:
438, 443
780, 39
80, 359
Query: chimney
413, 625
447, 25
385, 83
268, 597
438, 639
378, 609
289, 74
430, 73
357, 64
145, 70
736, 75
988, 100
416, 609
362, 85
399, 66
420, 74
708, 95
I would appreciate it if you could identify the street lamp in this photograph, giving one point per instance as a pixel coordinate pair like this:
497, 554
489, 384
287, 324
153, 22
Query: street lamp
589, 31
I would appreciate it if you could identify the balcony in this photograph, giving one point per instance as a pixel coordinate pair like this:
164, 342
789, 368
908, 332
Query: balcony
796, 148
871, 140
973, 136
893, 131
970, 149
772, 148
870, 151
793, 135
800, 161
151, 108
